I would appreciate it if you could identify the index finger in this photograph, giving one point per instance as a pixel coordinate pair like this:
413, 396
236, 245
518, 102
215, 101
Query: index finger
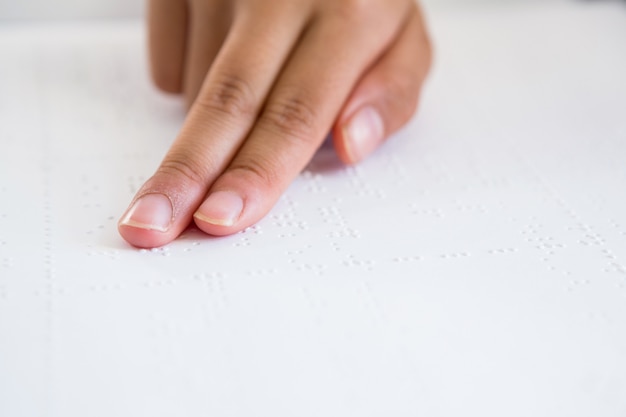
219, 120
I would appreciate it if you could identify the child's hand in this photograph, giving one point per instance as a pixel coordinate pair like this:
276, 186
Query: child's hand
266, 81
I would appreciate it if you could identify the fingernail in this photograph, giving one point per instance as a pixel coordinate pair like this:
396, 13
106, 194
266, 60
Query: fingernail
363, 133
222, 208
151, 212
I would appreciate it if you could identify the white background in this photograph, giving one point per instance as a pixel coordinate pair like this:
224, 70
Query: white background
69, 9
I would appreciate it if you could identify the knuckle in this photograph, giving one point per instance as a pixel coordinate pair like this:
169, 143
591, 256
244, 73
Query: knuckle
292, 116
185, 169
259, 171
229, 94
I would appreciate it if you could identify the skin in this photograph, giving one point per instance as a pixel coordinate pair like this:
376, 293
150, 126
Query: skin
265, 81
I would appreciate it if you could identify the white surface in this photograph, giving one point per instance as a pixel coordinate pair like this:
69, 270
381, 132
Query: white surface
475, 266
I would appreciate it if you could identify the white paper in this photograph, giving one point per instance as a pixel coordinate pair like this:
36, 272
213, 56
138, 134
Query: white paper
474, 266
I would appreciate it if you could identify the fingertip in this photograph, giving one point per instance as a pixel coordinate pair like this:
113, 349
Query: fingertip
215, 229
358, 135
237, 200
166, 83
220, 213
147, 222
339, 143
143, 238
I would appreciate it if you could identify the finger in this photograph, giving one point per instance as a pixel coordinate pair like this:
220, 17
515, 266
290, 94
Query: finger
296, 118
210, 21
229, 102
387, 96
167, 34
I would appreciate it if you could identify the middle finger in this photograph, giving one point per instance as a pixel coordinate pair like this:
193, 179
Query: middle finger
227, 106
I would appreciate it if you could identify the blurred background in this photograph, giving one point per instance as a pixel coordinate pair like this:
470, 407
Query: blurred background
73, 9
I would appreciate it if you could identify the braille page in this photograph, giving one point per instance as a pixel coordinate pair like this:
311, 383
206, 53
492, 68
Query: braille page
475, 265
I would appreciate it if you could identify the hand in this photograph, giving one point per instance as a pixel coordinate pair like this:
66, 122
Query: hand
266, 81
